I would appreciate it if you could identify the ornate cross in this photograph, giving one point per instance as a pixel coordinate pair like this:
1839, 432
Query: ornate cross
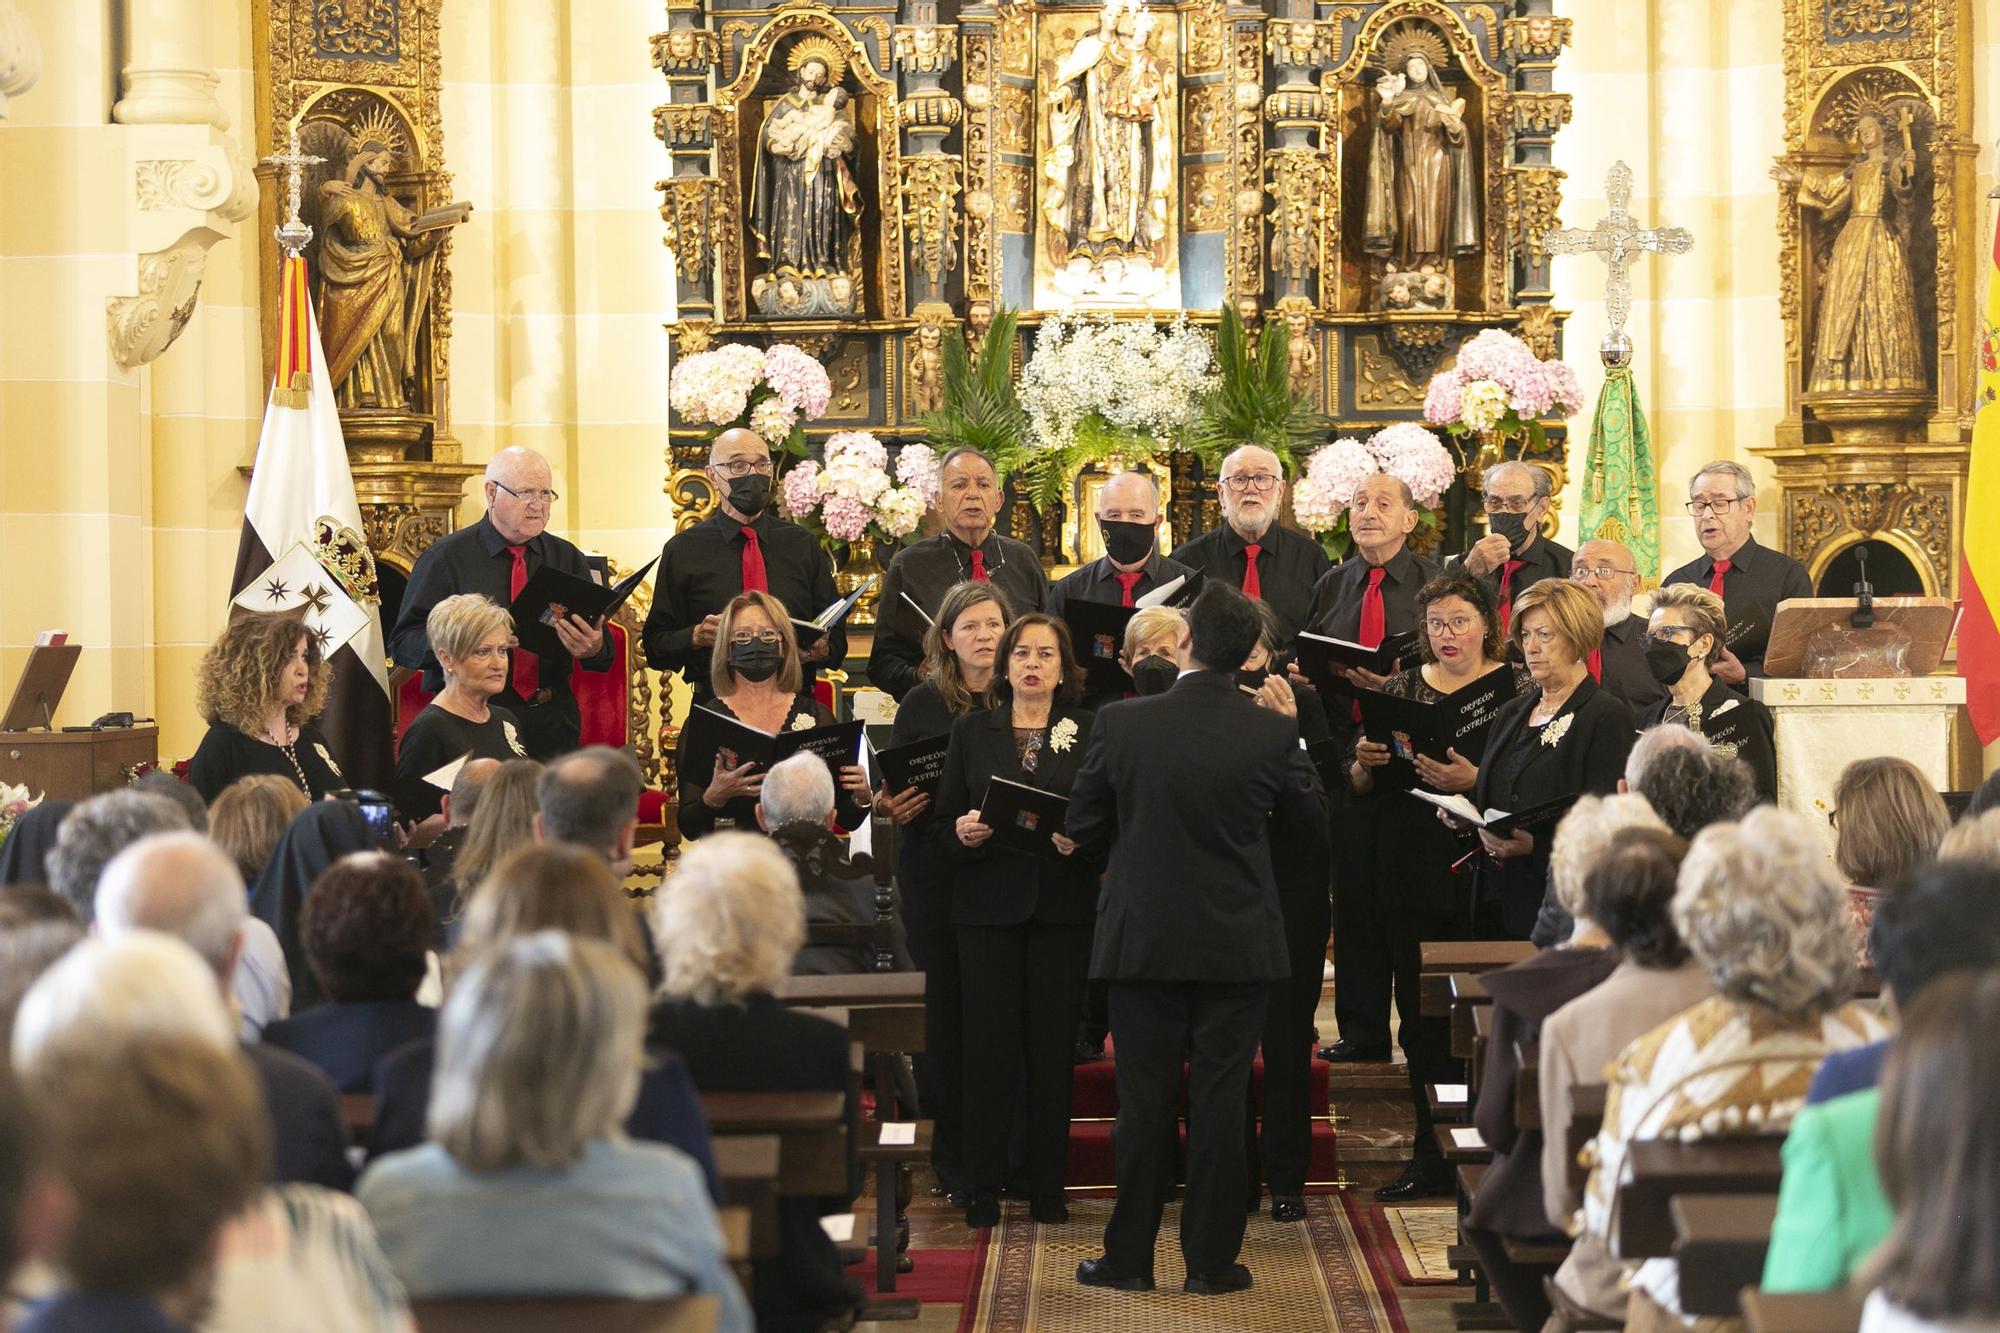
1618, 240
294, 235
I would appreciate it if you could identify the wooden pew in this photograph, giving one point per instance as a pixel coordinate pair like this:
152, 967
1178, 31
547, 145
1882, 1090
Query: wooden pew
517, 1314
1465, 996
747, 1165
1800, 1311
810, 1127
1719, 1245
1663, 1169
1586, 1117
1438, 959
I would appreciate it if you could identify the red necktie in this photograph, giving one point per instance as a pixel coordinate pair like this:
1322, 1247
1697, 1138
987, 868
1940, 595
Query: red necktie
1507, 594
979, 567
1127, 582
527, 672
1252, 585
1597, 665
1374, 616
753, 563
1715, 580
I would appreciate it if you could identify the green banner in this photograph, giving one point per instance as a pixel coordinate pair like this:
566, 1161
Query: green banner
1621, 484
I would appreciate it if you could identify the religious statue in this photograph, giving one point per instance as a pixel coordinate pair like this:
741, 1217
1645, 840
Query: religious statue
926, 379
805, 205
1301, 356
1422, 196
1109, 174
377, 269
1867, 329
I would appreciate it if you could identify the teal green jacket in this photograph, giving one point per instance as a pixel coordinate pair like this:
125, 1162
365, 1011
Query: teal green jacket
1831, 1212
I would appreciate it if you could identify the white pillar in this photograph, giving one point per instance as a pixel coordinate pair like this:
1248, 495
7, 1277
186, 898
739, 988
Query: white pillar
170, 77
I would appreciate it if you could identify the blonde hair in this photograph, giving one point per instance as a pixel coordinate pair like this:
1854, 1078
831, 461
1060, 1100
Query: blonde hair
1759, 906
722, 676
457, 624
1572, 609
1148, 625
237, 681
1585, 834
539, 1052
1704, 612
730, 921
1888, 819
502, 822
1975, 838
249, 816
551, 886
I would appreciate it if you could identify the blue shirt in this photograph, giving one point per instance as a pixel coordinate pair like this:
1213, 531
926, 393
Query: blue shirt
97, 1312
628, 1221
1843, 1072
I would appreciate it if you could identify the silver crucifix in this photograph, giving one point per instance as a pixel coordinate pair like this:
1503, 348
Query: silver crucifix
294, 234
1618, 240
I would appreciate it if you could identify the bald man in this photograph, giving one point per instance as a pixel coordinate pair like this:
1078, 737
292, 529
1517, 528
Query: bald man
1606, 568
744, 544
1128, 518
496, 557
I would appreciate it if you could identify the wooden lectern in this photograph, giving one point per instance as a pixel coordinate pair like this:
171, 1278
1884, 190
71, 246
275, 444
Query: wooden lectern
64, 765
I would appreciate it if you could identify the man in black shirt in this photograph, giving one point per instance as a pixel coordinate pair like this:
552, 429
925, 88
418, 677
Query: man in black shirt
1750, 579
1514, 555
1607, 569
743, 544
495, 557
1128, 516
968, 548
1366, 598
1252, 550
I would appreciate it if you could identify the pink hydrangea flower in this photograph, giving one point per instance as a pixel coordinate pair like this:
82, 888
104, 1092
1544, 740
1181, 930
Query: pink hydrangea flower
917, 468
800, 490
1333, 473
1415, 457
1441, 399
844, 517
857, 447
798, 379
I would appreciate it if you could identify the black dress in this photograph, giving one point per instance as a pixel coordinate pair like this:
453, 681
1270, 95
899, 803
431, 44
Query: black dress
318, 836
226, 754
435, 739
694, 816
1734, 723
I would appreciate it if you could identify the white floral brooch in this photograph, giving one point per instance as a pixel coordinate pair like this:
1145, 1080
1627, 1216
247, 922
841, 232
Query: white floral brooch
327, 759
803, 722
1553, 733
513, 739
1062, 735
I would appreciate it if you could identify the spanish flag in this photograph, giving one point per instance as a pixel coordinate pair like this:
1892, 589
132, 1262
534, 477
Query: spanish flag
1979, 579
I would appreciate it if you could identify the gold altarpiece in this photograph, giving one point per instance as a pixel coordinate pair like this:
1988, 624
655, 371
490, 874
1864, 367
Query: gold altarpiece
1252, 188
1879, 288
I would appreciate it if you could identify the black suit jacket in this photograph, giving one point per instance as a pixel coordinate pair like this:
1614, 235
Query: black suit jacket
1739, 726
346, 1039
1185, 791
308, 1135
1623, 659
1589, 759
993, 886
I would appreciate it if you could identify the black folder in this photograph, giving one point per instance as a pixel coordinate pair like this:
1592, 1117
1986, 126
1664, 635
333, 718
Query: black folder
1022, 817
1320, 657
1459, 721
918, 764
713, 741
810, 632
1096, 635
550, 595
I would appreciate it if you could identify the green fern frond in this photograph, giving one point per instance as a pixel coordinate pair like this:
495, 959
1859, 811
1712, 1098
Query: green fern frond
980, 409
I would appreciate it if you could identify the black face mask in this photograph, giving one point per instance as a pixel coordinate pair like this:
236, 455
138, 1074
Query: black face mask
1252, 678
1514, 527
1154, 674
749, 493
1667, 661
755, 661
1127, 543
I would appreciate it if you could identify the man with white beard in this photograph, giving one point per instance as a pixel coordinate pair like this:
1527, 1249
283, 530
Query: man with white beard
1606, 568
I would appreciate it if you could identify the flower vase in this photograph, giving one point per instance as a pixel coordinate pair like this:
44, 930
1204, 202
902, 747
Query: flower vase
1492, 451
859, 566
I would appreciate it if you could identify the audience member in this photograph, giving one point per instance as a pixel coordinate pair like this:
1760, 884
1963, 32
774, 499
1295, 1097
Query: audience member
249, 816
1939, 1269
25, 953
502, 822
796, 809
97, 830
729, 922
1508, 1205
591, 798
460, 804
527, 1187
33, 1208
159, 782
24, 853
23, 905
367, 931
183, 885
1888, 820
1760, 909
1628, 895
1985, 797
318, 836
259, 687
474, 642
1973, 838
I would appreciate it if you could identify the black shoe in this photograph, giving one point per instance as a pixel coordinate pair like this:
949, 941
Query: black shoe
1346, 1051
1288, 1210
1100, 1273
1087, 1052
1049, 1210
1421, 1179
1233, 1278
982, 1210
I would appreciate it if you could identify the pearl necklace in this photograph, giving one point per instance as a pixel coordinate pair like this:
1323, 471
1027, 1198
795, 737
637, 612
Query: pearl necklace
289, 748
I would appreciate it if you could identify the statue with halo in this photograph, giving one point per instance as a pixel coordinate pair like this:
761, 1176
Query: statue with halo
805, 205
1422, 193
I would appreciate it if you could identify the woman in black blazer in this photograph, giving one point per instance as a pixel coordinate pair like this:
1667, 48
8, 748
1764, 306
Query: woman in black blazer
1685, 636
1563, 738
959, 651
1023, 919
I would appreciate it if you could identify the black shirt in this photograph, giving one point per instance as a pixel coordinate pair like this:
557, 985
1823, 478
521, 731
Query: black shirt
1758, 578
694, 816
1734, 724
1336, 598
226, 754
1623, 661
475, 559
927, 571
435, 738
1098, 582
1543, 559
702, 569
1288, 566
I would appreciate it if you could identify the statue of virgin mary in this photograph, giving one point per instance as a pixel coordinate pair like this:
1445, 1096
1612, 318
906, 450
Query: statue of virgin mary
1422, 189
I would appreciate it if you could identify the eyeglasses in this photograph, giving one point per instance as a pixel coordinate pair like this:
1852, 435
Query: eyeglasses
1497, 506
531, 496
743, 467
1672, 634
1701, 508
1456, 625
1581, 572
1250, 481
744, 638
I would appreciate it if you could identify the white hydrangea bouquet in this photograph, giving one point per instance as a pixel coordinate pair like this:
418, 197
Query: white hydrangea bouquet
15, 801
773, 390
1499, 390
853, 493
1333, 472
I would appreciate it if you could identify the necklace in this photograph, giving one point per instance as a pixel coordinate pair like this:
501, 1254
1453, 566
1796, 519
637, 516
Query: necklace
288, 746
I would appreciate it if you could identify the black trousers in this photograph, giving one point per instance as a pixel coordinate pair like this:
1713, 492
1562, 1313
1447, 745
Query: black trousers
1518, 1287
1213, 1026
1286, 1129
940, 1068
1023, 993
1360, 930
1425, 1038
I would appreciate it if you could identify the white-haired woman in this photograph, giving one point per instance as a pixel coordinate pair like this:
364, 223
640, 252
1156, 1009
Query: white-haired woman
1761, 910
471, 636
728, 925
529, 1186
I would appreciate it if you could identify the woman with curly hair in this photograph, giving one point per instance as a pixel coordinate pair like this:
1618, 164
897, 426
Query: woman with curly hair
260, 685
